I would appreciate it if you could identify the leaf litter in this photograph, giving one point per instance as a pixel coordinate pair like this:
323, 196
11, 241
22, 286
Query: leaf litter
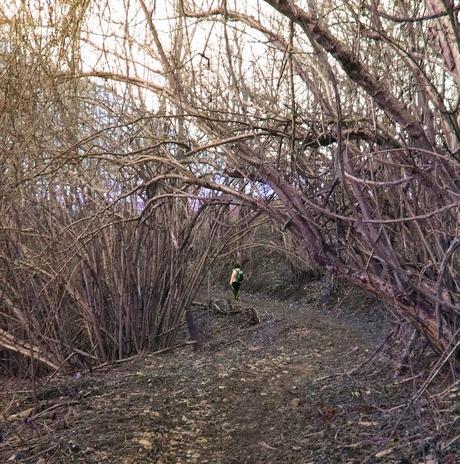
273, 392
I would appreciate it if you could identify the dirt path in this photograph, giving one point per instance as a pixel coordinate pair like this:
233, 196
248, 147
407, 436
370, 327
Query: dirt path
251, 394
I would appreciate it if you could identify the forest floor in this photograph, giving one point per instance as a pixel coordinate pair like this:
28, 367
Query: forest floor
280, 391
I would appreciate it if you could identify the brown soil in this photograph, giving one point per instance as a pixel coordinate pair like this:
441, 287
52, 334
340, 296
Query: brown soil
251, 394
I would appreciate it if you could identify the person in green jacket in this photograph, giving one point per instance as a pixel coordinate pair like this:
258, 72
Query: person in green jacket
235, 280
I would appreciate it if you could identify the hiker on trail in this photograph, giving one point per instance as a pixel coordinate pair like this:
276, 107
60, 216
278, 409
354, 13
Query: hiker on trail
235, 280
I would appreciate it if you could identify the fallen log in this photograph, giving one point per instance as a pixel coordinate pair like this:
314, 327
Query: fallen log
11, 343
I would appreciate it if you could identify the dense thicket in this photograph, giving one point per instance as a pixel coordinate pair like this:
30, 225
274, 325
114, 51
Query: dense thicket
137, 140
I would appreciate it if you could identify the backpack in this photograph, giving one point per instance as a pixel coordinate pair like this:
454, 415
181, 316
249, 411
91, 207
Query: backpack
239, 275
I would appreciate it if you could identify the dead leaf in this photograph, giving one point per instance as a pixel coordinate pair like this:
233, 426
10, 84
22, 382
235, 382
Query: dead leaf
295, 402
254, 348
147, 444
22, 414
384, 453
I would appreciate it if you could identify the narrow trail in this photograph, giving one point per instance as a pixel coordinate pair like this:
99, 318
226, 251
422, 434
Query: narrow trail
250, 394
